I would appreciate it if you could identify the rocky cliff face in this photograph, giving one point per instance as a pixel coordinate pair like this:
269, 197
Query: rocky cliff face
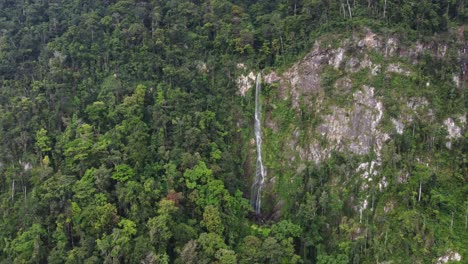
361, 92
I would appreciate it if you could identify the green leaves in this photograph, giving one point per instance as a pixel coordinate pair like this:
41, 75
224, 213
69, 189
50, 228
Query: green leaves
123, 173
212, 220
285, 229
210, 243
117, 244
27, 246
131, 108
200, 174
43, 143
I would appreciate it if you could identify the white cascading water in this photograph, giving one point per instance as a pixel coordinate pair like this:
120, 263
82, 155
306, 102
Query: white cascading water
256, 198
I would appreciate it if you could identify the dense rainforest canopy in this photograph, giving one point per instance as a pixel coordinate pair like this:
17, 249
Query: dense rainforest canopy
123, 137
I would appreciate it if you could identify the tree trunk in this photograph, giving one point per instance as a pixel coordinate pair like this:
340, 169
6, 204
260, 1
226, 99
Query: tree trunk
385, 8
419, 197
349, 9
12, 190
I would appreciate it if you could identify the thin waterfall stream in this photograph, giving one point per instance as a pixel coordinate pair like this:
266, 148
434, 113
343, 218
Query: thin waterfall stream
259, 181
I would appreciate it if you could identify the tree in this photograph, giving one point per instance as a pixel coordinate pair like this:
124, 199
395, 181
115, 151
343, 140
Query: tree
189, 253
212, 220
123, 173
285, 229
198, 175
271, 250
209, 244
42, 142
117, 245
79, 152
160, 227
249, 250
28, 245
58, 253
226, 256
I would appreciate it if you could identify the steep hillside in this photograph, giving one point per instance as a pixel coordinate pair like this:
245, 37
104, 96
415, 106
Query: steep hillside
366, 136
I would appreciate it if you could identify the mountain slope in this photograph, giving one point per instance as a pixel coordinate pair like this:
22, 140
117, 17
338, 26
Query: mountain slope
126, 131
362, 133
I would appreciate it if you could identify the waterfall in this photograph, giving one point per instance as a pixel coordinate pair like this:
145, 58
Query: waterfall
256, 198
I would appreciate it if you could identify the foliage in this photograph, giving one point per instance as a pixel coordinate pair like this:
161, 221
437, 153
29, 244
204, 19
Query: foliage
123, 139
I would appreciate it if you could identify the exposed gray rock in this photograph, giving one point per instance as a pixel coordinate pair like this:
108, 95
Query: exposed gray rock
338, 58
396, 68
391, 47
202, 67
417, 102
355, 129
403, 177
344, 84
371, 41
368, 169
241, 66
449, 256
303, 79
453, 130
271, 77
456, 81
27, 166
245, 82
